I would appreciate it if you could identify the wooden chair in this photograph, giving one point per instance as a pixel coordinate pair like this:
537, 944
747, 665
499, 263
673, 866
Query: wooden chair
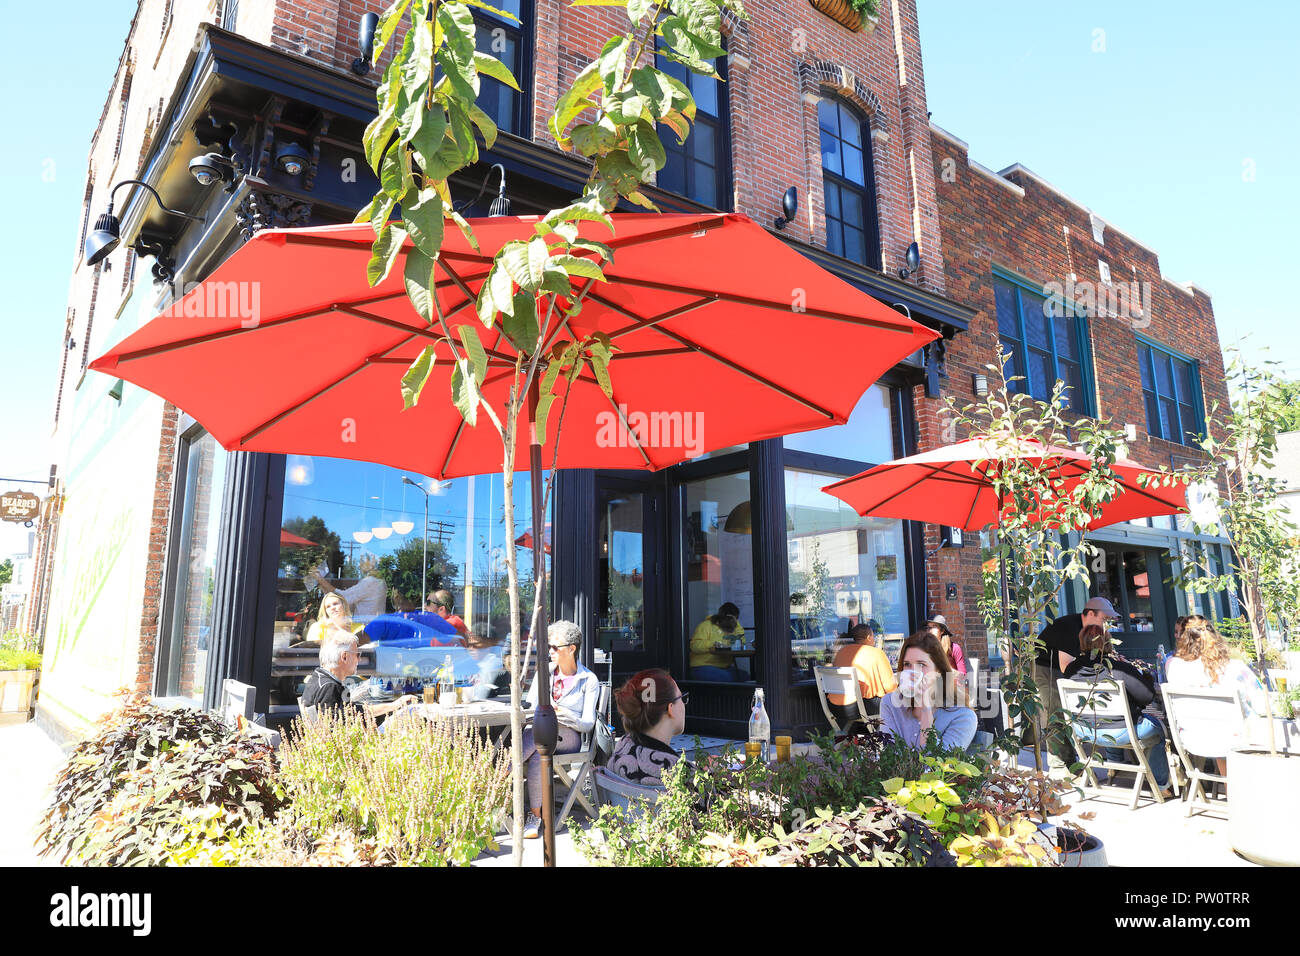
1205, 724
840, 680
1087, 704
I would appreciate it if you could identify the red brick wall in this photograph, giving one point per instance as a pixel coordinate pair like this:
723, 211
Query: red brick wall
1019, 223
154, 576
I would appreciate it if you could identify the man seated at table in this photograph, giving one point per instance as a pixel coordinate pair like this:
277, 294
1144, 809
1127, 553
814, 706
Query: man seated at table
339, 658
443, 604
874, 672
711, 658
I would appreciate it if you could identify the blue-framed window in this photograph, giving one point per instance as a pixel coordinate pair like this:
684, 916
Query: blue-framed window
511, 42
700, 168
1171, 391
1047, 339
848, 183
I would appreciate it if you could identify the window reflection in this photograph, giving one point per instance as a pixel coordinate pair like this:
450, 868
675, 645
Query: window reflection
867, 436
844, 570
720, 571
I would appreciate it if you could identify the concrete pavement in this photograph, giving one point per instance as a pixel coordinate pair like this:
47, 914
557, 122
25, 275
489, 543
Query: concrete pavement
28, 761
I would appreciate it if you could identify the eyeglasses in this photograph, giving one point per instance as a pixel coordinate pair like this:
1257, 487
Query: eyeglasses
684, 698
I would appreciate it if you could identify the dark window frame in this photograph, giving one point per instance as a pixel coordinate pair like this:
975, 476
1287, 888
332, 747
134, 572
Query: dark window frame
723, 179
525, 43
1195, 400
865, 191
1086, 405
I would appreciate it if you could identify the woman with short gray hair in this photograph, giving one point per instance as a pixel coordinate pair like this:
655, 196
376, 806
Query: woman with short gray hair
575, 692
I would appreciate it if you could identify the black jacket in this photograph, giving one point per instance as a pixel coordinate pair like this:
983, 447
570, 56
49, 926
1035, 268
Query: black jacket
1139, 686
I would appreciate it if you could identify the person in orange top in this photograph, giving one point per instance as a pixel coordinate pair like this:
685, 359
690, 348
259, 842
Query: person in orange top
875, 675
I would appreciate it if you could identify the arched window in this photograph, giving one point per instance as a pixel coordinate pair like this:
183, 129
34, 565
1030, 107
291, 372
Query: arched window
700, 168
852, 229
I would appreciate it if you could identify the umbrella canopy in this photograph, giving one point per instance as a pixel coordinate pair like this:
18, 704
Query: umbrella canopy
952, 485
726, 335
525, 540
290, 540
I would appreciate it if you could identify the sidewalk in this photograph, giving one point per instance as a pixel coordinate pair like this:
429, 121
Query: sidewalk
28, 762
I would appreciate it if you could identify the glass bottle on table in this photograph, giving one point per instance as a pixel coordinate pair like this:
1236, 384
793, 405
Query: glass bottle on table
446, 683
760, 727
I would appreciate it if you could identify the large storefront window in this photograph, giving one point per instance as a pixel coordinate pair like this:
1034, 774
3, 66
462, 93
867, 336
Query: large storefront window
719, 571
844, 570
867, 436
359, 530
184, 664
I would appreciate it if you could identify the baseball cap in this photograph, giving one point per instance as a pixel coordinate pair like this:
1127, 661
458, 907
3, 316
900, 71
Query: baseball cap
1102, 605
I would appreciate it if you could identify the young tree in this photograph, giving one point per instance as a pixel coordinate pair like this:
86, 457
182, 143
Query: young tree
428, 128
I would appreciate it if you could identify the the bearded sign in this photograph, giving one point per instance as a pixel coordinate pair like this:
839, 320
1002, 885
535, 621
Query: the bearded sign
19, 506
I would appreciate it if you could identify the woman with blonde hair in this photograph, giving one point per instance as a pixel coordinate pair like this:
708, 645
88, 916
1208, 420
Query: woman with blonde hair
335, 613
1202, 659
930, 701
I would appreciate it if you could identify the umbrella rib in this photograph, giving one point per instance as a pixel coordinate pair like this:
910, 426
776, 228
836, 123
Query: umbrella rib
226, 333
626, 427
721, 360
455, 440
886, 325
339, 242
423, 333
321, 391
640, 322
720, 219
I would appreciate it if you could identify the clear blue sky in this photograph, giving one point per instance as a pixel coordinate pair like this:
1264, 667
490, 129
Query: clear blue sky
1151, 123
1152, 133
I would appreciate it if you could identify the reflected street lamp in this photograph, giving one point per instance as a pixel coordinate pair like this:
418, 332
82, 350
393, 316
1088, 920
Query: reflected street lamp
424, 561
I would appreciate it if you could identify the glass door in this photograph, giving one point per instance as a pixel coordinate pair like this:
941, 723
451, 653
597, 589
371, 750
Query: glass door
629, 572
1133, 580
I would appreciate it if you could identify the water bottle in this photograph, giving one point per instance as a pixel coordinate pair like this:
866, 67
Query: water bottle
447, 682
1160, 663
760, 728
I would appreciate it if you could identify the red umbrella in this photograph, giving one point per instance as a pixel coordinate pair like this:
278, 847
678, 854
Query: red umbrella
726, 334
952, 485
525, 540
290, 540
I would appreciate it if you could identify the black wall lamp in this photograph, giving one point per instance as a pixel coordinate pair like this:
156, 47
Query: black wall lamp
501, 204
789, 207
913, 261
212, 167
108, 233
366, 41
291, 159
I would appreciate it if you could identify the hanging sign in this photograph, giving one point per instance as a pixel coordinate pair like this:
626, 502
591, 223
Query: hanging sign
19, 506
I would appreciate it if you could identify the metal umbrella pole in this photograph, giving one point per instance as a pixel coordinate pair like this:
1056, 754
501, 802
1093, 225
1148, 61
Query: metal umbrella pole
545, 726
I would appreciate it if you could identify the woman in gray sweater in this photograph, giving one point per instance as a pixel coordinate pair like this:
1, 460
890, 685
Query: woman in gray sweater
930, 700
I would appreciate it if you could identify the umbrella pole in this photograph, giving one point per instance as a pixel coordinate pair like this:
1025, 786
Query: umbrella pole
545, 727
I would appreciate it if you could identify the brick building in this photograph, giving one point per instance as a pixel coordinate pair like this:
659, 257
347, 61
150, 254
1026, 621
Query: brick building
175, 565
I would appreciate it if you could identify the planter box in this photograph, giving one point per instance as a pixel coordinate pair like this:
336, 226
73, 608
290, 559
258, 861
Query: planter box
1261, 806
845, 15
16, 691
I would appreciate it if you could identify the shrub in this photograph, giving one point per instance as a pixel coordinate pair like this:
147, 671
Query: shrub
17, 660
149, 779
938, 796
876, 835
424, 793
998, 842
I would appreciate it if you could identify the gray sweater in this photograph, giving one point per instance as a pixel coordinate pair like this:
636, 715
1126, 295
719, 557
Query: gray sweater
954, 725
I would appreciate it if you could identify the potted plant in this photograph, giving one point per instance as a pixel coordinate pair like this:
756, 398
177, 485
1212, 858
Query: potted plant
20, 671
857, 15
1241, 445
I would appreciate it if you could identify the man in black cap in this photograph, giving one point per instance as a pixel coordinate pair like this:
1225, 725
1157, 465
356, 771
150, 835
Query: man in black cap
1060, 646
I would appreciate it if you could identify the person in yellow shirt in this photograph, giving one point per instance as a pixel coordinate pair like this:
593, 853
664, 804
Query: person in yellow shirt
711, 656
875, 676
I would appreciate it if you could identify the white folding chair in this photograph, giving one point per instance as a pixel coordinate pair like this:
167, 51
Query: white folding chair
1087, 704
237, 700
308, 712
840, 680
1205, 723
574, 768
615, 791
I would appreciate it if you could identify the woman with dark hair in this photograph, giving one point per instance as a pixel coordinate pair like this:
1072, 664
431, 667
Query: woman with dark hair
653, 709
930, 701
1098, 662
711, 657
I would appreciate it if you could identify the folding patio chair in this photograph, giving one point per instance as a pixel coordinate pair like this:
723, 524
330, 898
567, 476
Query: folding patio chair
1087, 704
841, 680
615, 791
574, 768
1205, 723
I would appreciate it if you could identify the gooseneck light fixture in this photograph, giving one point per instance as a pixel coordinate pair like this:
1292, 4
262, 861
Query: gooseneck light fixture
500, 205
108, 228
913, 259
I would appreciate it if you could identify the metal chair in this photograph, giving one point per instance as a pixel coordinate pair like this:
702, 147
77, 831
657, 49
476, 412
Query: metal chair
1087, 703
1205, 724
633, 799
840, 680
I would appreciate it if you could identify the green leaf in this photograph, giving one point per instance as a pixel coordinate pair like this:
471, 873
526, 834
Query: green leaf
574, 102
473, 351
585, 210
425, 222
606, 251
646, 150
411, 109
383, 252
417, 376
577, 266
388, 23
637, 9
429, 137
375, 140
485, 125
454, 75
419, 278
652, 86
590, 139
521, 326
600, 368
488, 65
391, 174
502, 287
514, 258
556, 281
613, 61
464, 391
538, 256
545, 396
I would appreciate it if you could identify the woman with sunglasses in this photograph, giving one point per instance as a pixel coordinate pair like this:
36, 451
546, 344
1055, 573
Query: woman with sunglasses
575, 693
653, 709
